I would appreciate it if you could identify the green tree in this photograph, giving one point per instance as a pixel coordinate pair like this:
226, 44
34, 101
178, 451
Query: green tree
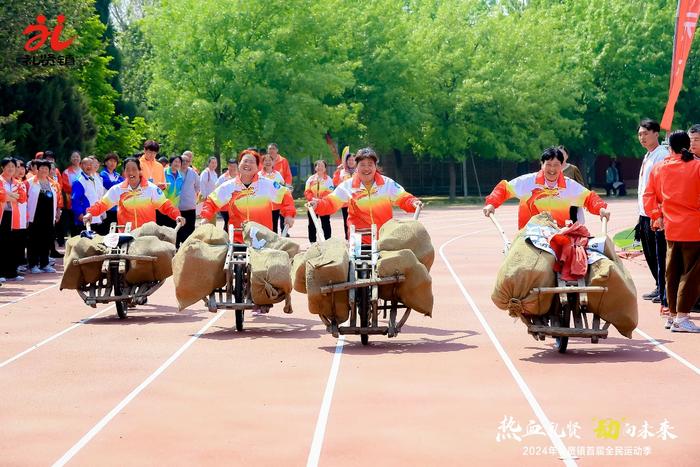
233, 75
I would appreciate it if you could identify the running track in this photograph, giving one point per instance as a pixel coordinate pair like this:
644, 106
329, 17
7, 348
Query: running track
163, 387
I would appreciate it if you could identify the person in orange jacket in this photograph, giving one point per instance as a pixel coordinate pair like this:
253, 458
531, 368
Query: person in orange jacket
249, 197
318, 186
546, 191
136, 199
281, 165
270, 173
11, 219
369, 195
344, 172
672, 200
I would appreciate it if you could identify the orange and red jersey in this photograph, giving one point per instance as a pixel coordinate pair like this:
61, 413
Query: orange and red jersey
537, 196
153, 171
281, 165
339, 176
137, 206
673, 192
275, 176
367, 205
69, 176
249, 203
19, 212
318, 187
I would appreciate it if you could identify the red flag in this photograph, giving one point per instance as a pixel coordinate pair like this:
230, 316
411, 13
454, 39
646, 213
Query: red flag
686, 20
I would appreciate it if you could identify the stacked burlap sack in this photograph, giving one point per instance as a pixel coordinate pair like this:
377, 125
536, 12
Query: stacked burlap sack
149, 240
405, 248
527, 267
270, 264
324, 263
198, 266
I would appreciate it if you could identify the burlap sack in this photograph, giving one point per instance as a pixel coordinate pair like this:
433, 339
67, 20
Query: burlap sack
524, 268
619, 304
327, 262
166, 234
398, 235
209, 234
416, 291
78, 247
139, 272
198, 267
270, 278
298, 272
266, 238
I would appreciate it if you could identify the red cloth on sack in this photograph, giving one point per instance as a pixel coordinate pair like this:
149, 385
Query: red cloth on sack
570, 247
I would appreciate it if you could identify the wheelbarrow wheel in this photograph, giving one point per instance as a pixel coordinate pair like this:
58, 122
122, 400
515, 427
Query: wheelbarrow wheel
238, 294
121, 305
561, 343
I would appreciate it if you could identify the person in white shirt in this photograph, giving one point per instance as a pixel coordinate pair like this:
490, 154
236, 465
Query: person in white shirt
653, 242
86, 190
208, 178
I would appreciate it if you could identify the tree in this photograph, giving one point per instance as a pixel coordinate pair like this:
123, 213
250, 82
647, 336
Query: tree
236, 76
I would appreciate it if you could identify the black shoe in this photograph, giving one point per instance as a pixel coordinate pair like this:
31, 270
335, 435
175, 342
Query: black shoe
656, 299
696, 308
648, 296
55, 254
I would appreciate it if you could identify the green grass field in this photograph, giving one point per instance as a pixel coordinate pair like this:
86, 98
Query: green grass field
625, 239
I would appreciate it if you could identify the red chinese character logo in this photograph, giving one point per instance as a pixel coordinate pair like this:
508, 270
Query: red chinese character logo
37, 41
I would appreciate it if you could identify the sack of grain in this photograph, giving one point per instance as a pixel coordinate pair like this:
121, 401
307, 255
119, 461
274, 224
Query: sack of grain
327, 262
619, 304
140, 272
298, 272
198, 266
166, 234
524, 268
416, 290
258, 236
398, 235
79, 247
270, 278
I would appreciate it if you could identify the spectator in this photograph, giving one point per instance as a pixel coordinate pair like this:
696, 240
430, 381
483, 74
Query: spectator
173, 182
672, 200
281, 165
318, 186
230, 174
10, 219
208, 178
85, 192
611, 179
111, 177
43, 213
653, 242
188, 197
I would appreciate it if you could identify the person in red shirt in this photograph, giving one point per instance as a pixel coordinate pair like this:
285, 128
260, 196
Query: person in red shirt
281, 165
672, 200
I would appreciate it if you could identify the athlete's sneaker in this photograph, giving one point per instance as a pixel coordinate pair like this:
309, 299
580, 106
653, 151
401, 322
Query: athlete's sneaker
36, 270
684, 325
48, 269
664, 311
15, 279
669, 323
650, 295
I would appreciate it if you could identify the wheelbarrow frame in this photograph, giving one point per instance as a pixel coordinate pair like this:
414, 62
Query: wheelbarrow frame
112, 286
570, 303
363, 289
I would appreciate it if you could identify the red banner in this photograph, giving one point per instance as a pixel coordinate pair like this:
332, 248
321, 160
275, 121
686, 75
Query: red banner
686, 20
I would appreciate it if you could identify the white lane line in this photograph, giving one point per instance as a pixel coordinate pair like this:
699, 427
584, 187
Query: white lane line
320, 432
668, 351
27, 296
55, 336
124, 402
524, 388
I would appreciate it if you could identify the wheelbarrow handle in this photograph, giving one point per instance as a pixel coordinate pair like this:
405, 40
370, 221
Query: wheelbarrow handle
604, 221
316, 221
416, 214
506, 242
